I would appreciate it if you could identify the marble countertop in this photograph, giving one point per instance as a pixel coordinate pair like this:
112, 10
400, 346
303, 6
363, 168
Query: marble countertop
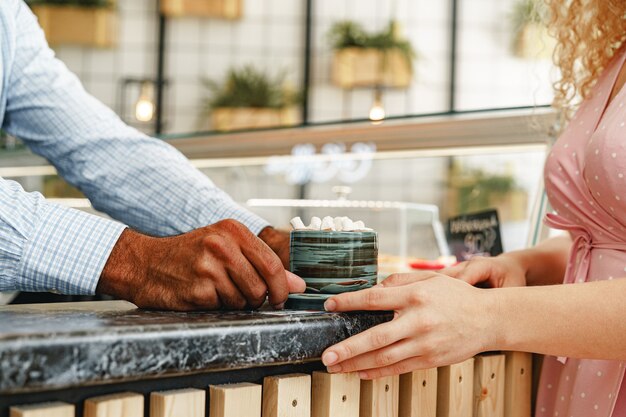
52, 346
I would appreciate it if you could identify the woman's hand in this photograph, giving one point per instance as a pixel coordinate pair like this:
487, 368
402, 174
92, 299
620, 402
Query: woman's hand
438, 321
501, 271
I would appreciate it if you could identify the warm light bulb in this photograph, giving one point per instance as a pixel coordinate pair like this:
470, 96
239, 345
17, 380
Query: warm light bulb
144, 108
377, 111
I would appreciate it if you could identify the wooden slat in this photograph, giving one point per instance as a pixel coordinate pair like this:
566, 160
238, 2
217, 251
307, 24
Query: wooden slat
489, 386
418, 394
235, 400
287, 396
54, 409
126, 404
379, 397
177, 403
517, 385
335, 395
455, 390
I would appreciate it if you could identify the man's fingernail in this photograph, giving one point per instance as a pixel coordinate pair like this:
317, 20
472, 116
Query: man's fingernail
334, 369
330, 305
363, 375
279, 306
329, 358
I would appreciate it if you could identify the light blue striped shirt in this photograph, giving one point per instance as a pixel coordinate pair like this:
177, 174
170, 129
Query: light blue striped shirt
140, 181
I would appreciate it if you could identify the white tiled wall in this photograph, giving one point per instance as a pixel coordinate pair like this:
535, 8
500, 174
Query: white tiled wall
271, 36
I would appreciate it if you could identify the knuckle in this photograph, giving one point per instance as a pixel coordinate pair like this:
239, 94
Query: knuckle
201, 268
415, 296
230, 225
383, 359
373, 297
348, 351
428, 349
274, 266
213, 242
379, 339
399, 368
428, 325
429, 361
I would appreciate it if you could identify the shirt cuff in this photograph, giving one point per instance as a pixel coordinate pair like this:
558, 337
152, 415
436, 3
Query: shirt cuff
67, 252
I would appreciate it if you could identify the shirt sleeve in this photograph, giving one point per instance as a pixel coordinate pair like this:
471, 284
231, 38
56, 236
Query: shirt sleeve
139, 180
47, 247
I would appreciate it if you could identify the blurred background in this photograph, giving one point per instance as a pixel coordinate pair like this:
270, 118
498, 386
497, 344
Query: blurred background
462, 55
441, 105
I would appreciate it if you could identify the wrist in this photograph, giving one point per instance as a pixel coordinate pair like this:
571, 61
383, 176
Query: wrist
124, 267
494, 326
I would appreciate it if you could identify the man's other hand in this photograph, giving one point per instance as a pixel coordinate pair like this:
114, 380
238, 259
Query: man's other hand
219, 266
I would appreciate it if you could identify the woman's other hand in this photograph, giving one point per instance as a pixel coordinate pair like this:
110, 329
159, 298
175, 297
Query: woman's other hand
438, 321
497, 272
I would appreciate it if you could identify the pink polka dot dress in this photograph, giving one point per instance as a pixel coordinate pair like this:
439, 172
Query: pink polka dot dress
585, 177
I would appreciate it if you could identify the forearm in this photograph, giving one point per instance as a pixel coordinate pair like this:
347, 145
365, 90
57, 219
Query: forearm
575, 320
545, 263
141, 181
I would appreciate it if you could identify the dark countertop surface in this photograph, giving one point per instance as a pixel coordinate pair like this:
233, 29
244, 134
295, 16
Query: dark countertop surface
53, 346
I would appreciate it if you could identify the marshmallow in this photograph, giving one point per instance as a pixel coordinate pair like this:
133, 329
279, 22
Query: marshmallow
316, 223
359, 225
297, 224
337, 221
328, 224
347, 225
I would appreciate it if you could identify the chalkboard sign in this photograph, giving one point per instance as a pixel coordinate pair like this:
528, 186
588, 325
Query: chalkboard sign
475, 234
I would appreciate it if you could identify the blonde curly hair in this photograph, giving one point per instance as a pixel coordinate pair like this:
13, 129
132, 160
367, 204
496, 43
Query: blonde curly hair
588, 33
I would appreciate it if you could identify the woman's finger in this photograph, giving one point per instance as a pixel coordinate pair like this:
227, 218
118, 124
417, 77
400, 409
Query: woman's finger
375, 338
397, 280
453, 271
380, 358
373, 299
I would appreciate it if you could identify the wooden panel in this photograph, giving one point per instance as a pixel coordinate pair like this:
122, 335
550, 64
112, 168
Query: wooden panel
370, 67
489, 386
335, 395
379, 397
287, 396
55, 409
184, 402
517, 385
418, 394
127, 404
231, 118
455, 390
227, 9
235, 400
87, 26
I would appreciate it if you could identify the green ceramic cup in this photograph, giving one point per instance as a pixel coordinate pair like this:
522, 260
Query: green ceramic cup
334, 262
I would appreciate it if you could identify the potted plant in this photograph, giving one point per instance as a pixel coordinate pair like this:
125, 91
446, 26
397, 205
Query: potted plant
475, 190
531, 39
77, 22
250, 99
361, 59
226, 9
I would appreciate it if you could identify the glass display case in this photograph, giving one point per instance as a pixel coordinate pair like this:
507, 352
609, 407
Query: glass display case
406, 177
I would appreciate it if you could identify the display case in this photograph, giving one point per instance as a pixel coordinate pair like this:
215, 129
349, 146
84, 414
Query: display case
406, 176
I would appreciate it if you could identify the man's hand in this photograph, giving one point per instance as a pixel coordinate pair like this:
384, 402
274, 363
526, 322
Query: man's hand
278, 241
219, 266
